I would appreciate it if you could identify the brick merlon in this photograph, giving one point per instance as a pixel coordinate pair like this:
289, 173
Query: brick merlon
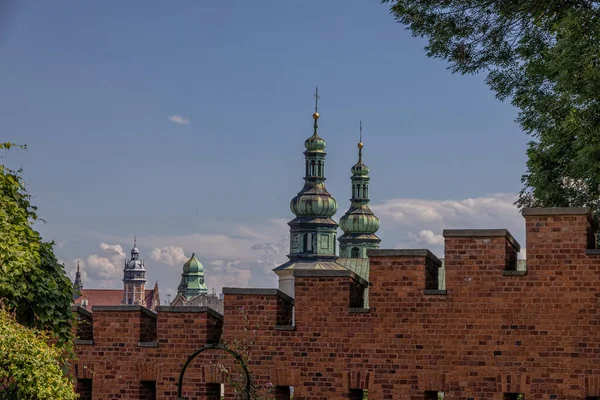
318, 273
261, 292
80, 310
124, 308
482, 233
404, 253
557, 211
189, 309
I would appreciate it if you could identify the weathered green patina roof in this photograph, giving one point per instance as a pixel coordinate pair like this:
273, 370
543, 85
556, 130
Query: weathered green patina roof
360, 266
192, 279
328, 265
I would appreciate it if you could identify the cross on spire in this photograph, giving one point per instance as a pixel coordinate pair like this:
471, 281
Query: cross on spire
360, 129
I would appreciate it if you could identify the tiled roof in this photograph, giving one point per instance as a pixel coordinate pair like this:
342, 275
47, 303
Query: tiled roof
108, 297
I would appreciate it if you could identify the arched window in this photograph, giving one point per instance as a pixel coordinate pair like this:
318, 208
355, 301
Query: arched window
306, 169
312, 168
358, 191
320, 168
355, 252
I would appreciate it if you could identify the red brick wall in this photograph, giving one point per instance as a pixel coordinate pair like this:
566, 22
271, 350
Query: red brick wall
493, 331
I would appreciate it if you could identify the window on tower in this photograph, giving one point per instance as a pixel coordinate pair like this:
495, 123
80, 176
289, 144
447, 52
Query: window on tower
355, 252
307, 245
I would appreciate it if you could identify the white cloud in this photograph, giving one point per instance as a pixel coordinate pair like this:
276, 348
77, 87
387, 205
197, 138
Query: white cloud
170, 255
178, 119
104, 270
413, 223
427, 236
227, 274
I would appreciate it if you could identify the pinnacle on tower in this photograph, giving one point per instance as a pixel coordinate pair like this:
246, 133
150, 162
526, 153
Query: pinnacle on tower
359, 223
77, 285
313, 231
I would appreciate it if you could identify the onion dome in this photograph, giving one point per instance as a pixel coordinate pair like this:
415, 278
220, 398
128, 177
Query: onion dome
192, 279
315, 142
315, 202
193, 265
361, 220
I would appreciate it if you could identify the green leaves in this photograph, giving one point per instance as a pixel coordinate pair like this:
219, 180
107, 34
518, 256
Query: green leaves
32, 281
544, 55
29, 366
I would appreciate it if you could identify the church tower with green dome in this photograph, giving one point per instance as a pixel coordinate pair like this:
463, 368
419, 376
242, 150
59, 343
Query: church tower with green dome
192, 279
313, 231
359, 223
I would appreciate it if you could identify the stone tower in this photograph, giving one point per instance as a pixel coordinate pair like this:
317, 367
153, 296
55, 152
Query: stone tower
192, 279
134, 279
359, 223
313, 231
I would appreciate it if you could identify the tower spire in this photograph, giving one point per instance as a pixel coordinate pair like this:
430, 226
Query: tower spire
313, 231
360, 142
134, 278
77, 285
316, 113
359, 223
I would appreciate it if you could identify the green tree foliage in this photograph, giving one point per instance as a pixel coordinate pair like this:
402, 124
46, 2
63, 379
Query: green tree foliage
544, 55
30, 368
32, 281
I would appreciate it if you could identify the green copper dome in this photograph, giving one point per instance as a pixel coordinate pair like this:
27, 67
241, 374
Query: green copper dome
315, 143
193, 265
315, 202
192, 279
360, 220
360, 169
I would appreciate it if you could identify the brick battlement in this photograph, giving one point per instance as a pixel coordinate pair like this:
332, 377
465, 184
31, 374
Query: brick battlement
494, 330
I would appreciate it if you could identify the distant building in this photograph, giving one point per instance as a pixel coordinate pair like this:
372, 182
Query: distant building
192, 290
134, 290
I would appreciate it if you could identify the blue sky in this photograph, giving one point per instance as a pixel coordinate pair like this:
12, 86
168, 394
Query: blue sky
90, 87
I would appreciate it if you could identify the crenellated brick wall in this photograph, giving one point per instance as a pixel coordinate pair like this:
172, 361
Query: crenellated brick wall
493, 332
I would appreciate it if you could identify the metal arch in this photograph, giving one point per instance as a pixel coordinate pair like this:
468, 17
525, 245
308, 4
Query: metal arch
215, 346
